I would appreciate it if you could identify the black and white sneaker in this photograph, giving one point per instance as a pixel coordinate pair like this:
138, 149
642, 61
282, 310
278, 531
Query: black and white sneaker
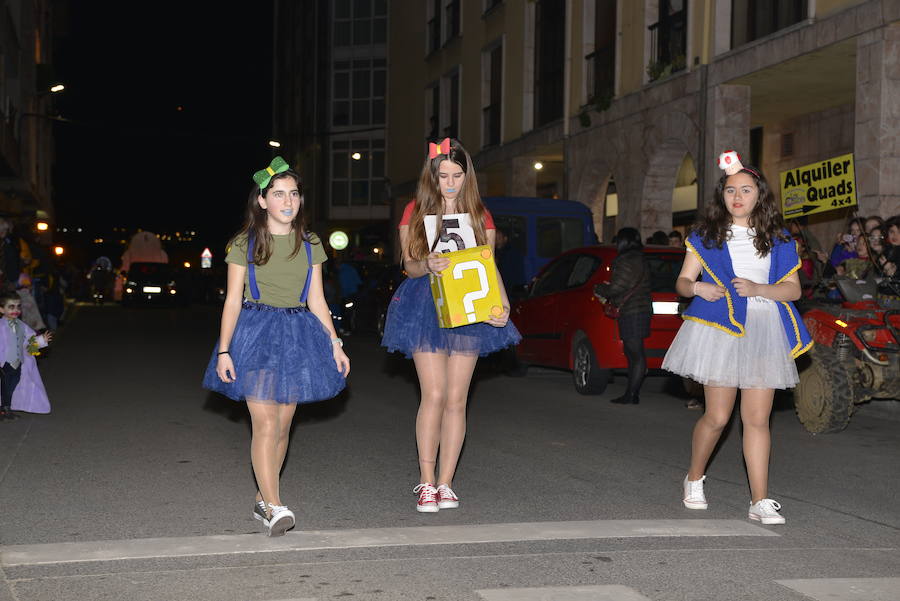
259, 513
281, 520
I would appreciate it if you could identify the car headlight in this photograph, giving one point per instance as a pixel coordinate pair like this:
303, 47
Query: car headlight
665, 308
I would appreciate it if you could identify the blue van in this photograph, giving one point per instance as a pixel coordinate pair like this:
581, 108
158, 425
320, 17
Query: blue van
540, 229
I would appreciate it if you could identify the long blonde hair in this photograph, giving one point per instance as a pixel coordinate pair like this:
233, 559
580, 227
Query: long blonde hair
430, 202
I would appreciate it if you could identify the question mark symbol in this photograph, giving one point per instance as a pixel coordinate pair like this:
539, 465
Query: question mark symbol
469, 298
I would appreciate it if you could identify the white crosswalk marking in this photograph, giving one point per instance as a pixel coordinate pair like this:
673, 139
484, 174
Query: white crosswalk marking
846, 589
611, 592
19, 555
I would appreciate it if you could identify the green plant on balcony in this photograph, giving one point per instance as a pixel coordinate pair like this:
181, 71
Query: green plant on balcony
659, 69
598, 102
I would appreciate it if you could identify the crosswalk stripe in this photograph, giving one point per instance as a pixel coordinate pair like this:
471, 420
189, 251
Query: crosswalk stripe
54, 553
846, 589
612, 592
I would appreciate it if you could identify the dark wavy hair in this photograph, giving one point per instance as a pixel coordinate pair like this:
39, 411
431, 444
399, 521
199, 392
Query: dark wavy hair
255, 222
430, 202
766, 219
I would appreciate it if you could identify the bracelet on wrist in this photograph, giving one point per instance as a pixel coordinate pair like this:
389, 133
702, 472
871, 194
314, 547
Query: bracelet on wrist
222, 353
694, 288
337, 341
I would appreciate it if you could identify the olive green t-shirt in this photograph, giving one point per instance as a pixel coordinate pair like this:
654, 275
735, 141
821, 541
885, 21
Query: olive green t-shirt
281, 280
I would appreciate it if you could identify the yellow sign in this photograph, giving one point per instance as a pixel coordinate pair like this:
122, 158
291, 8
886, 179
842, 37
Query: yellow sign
823, 186
467, 291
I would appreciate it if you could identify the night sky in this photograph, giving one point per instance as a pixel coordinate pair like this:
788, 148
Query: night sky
129, 157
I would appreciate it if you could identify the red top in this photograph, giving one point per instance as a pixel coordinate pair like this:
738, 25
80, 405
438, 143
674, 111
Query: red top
408, 211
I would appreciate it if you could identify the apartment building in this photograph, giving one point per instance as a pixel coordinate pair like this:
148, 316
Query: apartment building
26, 134
624, 105
330, 105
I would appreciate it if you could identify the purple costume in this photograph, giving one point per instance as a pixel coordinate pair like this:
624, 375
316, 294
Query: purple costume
30, 394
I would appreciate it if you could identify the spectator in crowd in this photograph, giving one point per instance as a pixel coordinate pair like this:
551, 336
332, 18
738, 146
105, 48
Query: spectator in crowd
873, 222
891, 246
845, 245
659, 237
629, 290
676, 239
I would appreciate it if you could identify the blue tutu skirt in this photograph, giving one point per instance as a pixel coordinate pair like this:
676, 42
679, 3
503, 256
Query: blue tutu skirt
280, 356
412, 327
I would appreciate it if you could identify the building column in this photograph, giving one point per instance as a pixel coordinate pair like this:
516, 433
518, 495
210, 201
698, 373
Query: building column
727, 127
521, 178
876, 140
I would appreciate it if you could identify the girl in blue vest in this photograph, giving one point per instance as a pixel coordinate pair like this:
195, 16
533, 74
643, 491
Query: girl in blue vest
741, 331
277, 346
447, 215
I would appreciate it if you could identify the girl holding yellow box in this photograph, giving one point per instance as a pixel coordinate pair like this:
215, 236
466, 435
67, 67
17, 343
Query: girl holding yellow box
447, 215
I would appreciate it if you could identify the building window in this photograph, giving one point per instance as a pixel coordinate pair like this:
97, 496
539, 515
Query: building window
668, 39
492, 95
360, 22
432, 111
357, 173
549, 57
450, 87
358, 95
601, 63
754, 19
452, 20
433, 26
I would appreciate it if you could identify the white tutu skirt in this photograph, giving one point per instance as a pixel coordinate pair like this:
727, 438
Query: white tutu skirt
759, 359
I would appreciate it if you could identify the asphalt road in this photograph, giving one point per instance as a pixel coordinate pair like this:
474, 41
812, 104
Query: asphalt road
138, 486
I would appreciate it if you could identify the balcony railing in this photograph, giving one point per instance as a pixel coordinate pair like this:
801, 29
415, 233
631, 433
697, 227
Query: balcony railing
601, 74
668, 45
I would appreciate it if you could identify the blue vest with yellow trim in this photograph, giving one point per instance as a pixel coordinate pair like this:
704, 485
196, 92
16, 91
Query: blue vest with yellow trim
729, 313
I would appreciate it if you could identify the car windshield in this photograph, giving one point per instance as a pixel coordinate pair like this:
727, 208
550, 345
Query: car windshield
144, 270
664, 270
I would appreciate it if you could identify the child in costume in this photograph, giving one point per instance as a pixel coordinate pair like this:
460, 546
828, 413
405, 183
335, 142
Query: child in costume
741, 330
21, 388
277, 346
446, 216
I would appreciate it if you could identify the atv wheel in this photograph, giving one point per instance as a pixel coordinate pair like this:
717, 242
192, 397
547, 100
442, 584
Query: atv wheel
823, 398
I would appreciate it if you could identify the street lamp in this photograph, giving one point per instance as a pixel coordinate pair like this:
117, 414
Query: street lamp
274, 143
57, 88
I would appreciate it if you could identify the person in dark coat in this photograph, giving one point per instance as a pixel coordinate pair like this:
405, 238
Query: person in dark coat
629, 289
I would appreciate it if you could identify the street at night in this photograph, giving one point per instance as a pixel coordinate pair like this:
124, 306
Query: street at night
138, 486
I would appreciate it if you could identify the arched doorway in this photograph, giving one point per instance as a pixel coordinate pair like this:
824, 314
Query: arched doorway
605, 208
684, 196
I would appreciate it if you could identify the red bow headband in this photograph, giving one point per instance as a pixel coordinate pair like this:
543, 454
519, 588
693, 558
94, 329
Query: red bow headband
435, 150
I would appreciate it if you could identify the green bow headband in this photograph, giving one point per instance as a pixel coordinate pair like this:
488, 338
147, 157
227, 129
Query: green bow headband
264, 176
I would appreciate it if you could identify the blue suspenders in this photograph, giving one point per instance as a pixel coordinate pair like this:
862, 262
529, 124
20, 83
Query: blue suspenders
254, 289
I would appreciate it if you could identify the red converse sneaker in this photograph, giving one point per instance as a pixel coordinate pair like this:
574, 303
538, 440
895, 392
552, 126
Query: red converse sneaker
446, 499
427, 498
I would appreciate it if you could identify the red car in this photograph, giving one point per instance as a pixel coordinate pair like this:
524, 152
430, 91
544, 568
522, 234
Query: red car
563, 325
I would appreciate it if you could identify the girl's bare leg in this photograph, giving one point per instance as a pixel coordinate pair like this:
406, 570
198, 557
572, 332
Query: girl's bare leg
271, 424
453, 424
756, 408
719, 405
432, 371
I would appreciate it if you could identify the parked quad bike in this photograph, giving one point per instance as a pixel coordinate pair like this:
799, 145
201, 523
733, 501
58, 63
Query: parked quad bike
855, 358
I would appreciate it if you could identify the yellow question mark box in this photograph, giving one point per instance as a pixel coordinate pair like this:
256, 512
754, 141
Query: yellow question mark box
467, 291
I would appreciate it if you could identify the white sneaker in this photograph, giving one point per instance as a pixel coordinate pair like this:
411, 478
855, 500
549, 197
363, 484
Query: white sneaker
259, 513
693, 494
766, 511
446, 498
427, 502
281, 520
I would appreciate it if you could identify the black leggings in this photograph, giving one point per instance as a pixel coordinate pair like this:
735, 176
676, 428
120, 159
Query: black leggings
637, 364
